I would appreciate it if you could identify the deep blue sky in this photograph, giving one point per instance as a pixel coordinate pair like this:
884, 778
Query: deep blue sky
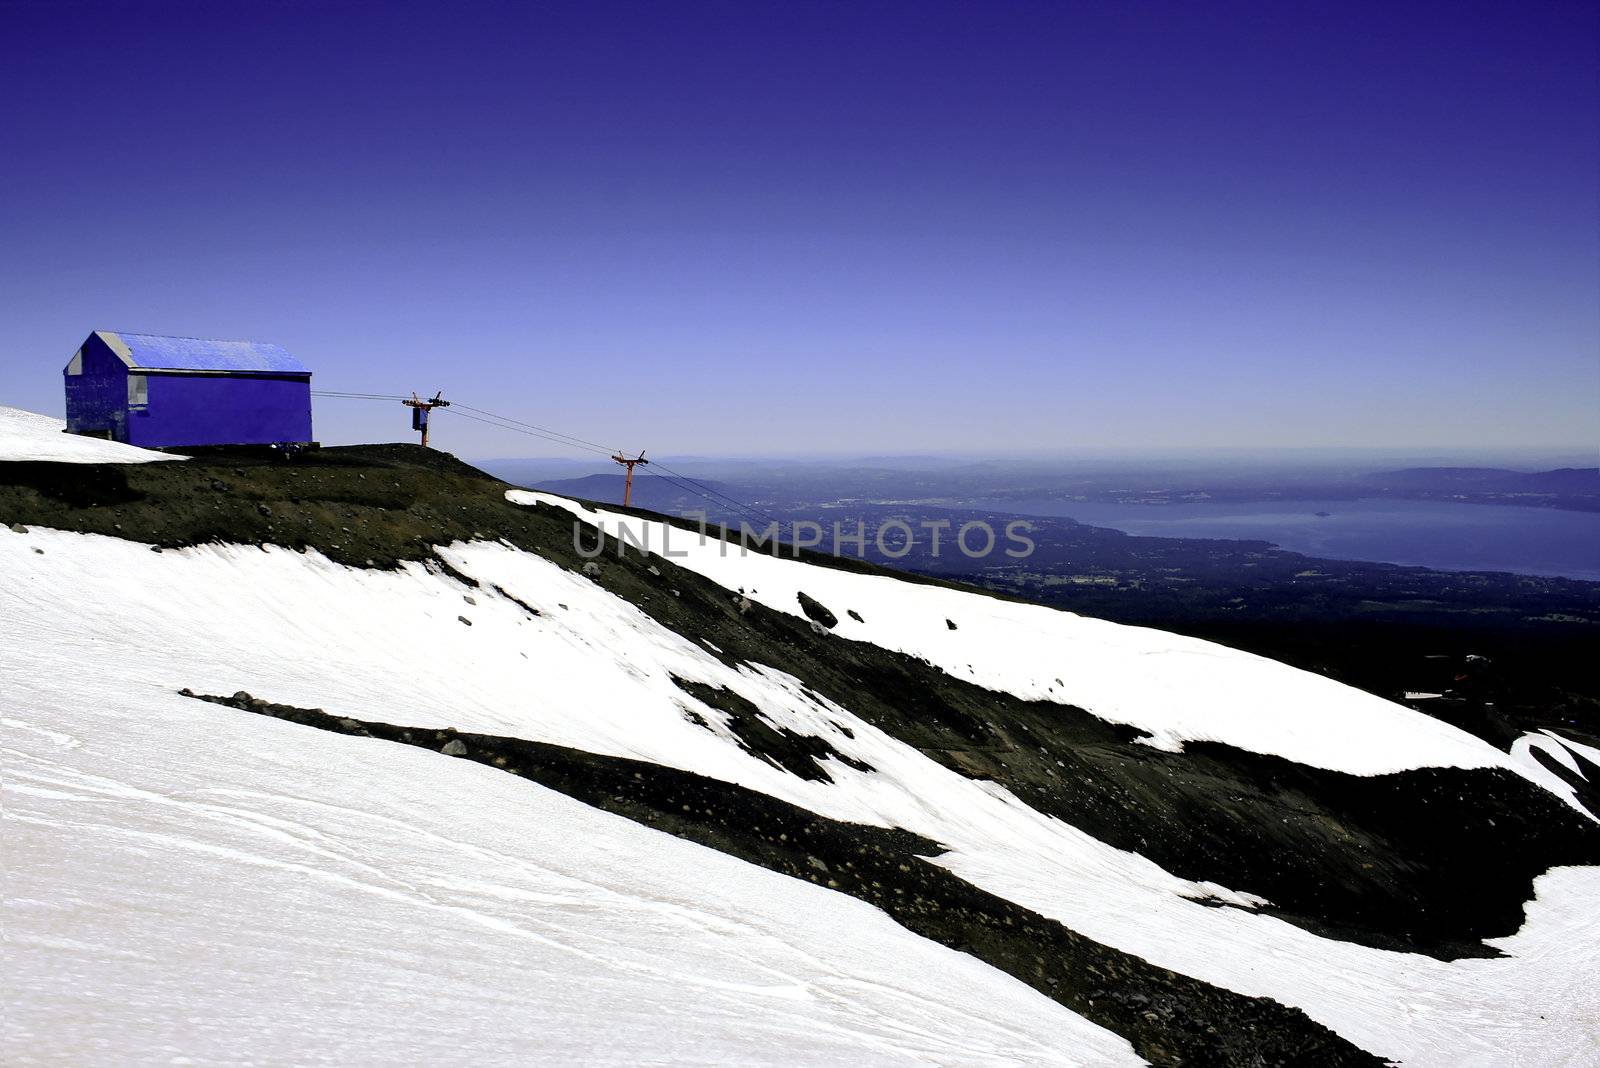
784, 228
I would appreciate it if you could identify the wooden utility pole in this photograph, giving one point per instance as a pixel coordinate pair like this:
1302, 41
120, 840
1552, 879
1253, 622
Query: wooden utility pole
627, 485
421, 408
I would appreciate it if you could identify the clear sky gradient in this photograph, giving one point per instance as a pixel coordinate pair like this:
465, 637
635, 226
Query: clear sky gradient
769, 228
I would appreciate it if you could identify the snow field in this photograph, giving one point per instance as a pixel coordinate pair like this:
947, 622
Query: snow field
596, 675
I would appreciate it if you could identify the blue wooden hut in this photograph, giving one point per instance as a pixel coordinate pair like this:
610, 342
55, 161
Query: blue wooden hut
176, 391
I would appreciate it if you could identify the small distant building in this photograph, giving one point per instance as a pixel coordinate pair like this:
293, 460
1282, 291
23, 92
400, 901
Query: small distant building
176, 391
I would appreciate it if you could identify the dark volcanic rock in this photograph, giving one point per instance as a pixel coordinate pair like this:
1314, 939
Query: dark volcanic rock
798, 754
816, 611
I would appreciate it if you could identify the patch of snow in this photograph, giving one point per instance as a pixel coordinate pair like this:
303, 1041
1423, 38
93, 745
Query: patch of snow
1561, 750
1535, 1005
1217, 894
28, 436
1179, 689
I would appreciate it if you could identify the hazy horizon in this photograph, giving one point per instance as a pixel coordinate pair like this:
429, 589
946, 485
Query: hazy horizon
1218, 463
1556, 455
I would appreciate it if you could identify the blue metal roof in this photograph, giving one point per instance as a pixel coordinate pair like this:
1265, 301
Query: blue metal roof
154, 353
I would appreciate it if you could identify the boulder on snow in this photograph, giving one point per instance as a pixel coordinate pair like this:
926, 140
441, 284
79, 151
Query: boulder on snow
816, 611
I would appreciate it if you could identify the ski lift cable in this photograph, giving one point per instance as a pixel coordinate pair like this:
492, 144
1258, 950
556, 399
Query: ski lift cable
683, 482
536, 426
705, 489
505, 422
494, 422
728, 503
355, 396
722, 500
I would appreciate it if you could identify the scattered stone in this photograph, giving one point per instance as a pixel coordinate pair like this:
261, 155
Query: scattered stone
18, 528
241, 695
350, 724
454, 748
950, 623
654, 570
818, 628
591, 568
263, 509
744, 605
219, 485
465, 620
38, 550
155, 548
853, 614
467, 597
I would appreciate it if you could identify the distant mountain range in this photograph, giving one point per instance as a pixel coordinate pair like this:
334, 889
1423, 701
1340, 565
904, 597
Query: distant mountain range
801, 486
1577, 481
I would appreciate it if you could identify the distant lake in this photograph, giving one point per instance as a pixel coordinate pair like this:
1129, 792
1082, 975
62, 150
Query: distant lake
1438, 534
